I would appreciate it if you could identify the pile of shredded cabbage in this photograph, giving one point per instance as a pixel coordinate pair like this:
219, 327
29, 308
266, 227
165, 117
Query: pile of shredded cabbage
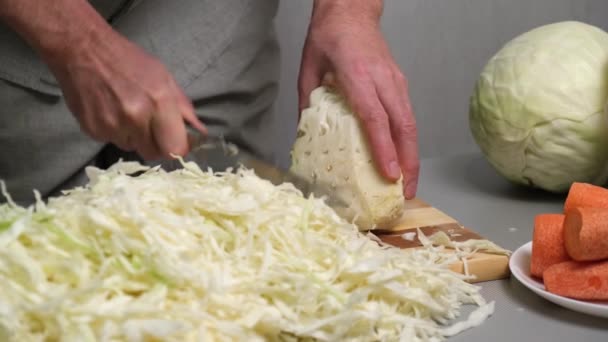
194, 255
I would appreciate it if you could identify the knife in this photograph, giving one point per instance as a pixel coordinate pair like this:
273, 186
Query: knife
217, 153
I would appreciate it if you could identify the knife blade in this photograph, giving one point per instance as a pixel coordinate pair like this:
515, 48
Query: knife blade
217, 153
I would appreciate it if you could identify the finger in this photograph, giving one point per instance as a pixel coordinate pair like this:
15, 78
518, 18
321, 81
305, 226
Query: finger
121, 133
136, 116
392, 88
188, 114
125, 142
169, 131
361, 94
195, 122
308, 79
147, 148
110, 126
145, 145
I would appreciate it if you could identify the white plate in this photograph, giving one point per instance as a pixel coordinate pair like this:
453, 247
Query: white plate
519, 264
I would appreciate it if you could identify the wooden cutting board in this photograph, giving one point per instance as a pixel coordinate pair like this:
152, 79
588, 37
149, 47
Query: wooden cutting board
419, 214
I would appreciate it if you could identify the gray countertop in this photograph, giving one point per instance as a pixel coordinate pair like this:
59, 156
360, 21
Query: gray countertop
468, 189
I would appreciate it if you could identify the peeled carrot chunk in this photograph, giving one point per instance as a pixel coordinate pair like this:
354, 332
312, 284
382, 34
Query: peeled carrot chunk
578, 280
547, 243
586, 234
586, 195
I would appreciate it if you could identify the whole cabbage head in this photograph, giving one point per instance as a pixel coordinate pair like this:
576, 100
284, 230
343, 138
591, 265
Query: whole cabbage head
537, 110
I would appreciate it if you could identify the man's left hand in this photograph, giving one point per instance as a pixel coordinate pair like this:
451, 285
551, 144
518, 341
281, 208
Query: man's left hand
344, 40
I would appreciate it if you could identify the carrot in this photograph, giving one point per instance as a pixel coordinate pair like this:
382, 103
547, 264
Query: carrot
586, 233
547, 243
578, 280
586, 195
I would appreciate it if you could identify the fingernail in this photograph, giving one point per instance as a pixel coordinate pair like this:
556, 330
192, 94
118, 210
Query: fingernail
410, 190
394, 170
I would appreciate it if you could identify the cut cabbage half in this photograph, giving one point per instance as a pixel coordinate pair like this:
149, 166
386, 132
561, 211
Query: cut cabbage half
331, 148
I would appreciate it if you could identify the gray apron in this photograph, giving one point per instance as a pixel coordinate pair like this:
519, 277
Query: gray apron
224, 54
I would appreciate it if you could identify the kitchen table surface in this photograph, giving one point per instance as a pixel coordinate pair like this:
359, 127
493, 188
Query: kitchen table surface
467, 188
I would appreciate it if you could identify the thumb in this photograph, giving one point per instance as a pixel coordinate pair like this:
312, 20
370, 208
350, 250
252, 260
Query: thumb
307, 83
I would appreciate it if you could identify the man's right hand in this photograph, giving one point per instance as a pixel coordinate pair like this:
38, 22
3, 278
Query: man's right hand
118, 92
122, 95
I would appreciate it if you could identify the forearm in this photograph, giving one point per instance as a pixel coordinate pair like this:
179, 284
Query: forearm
357, 11
55, 29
